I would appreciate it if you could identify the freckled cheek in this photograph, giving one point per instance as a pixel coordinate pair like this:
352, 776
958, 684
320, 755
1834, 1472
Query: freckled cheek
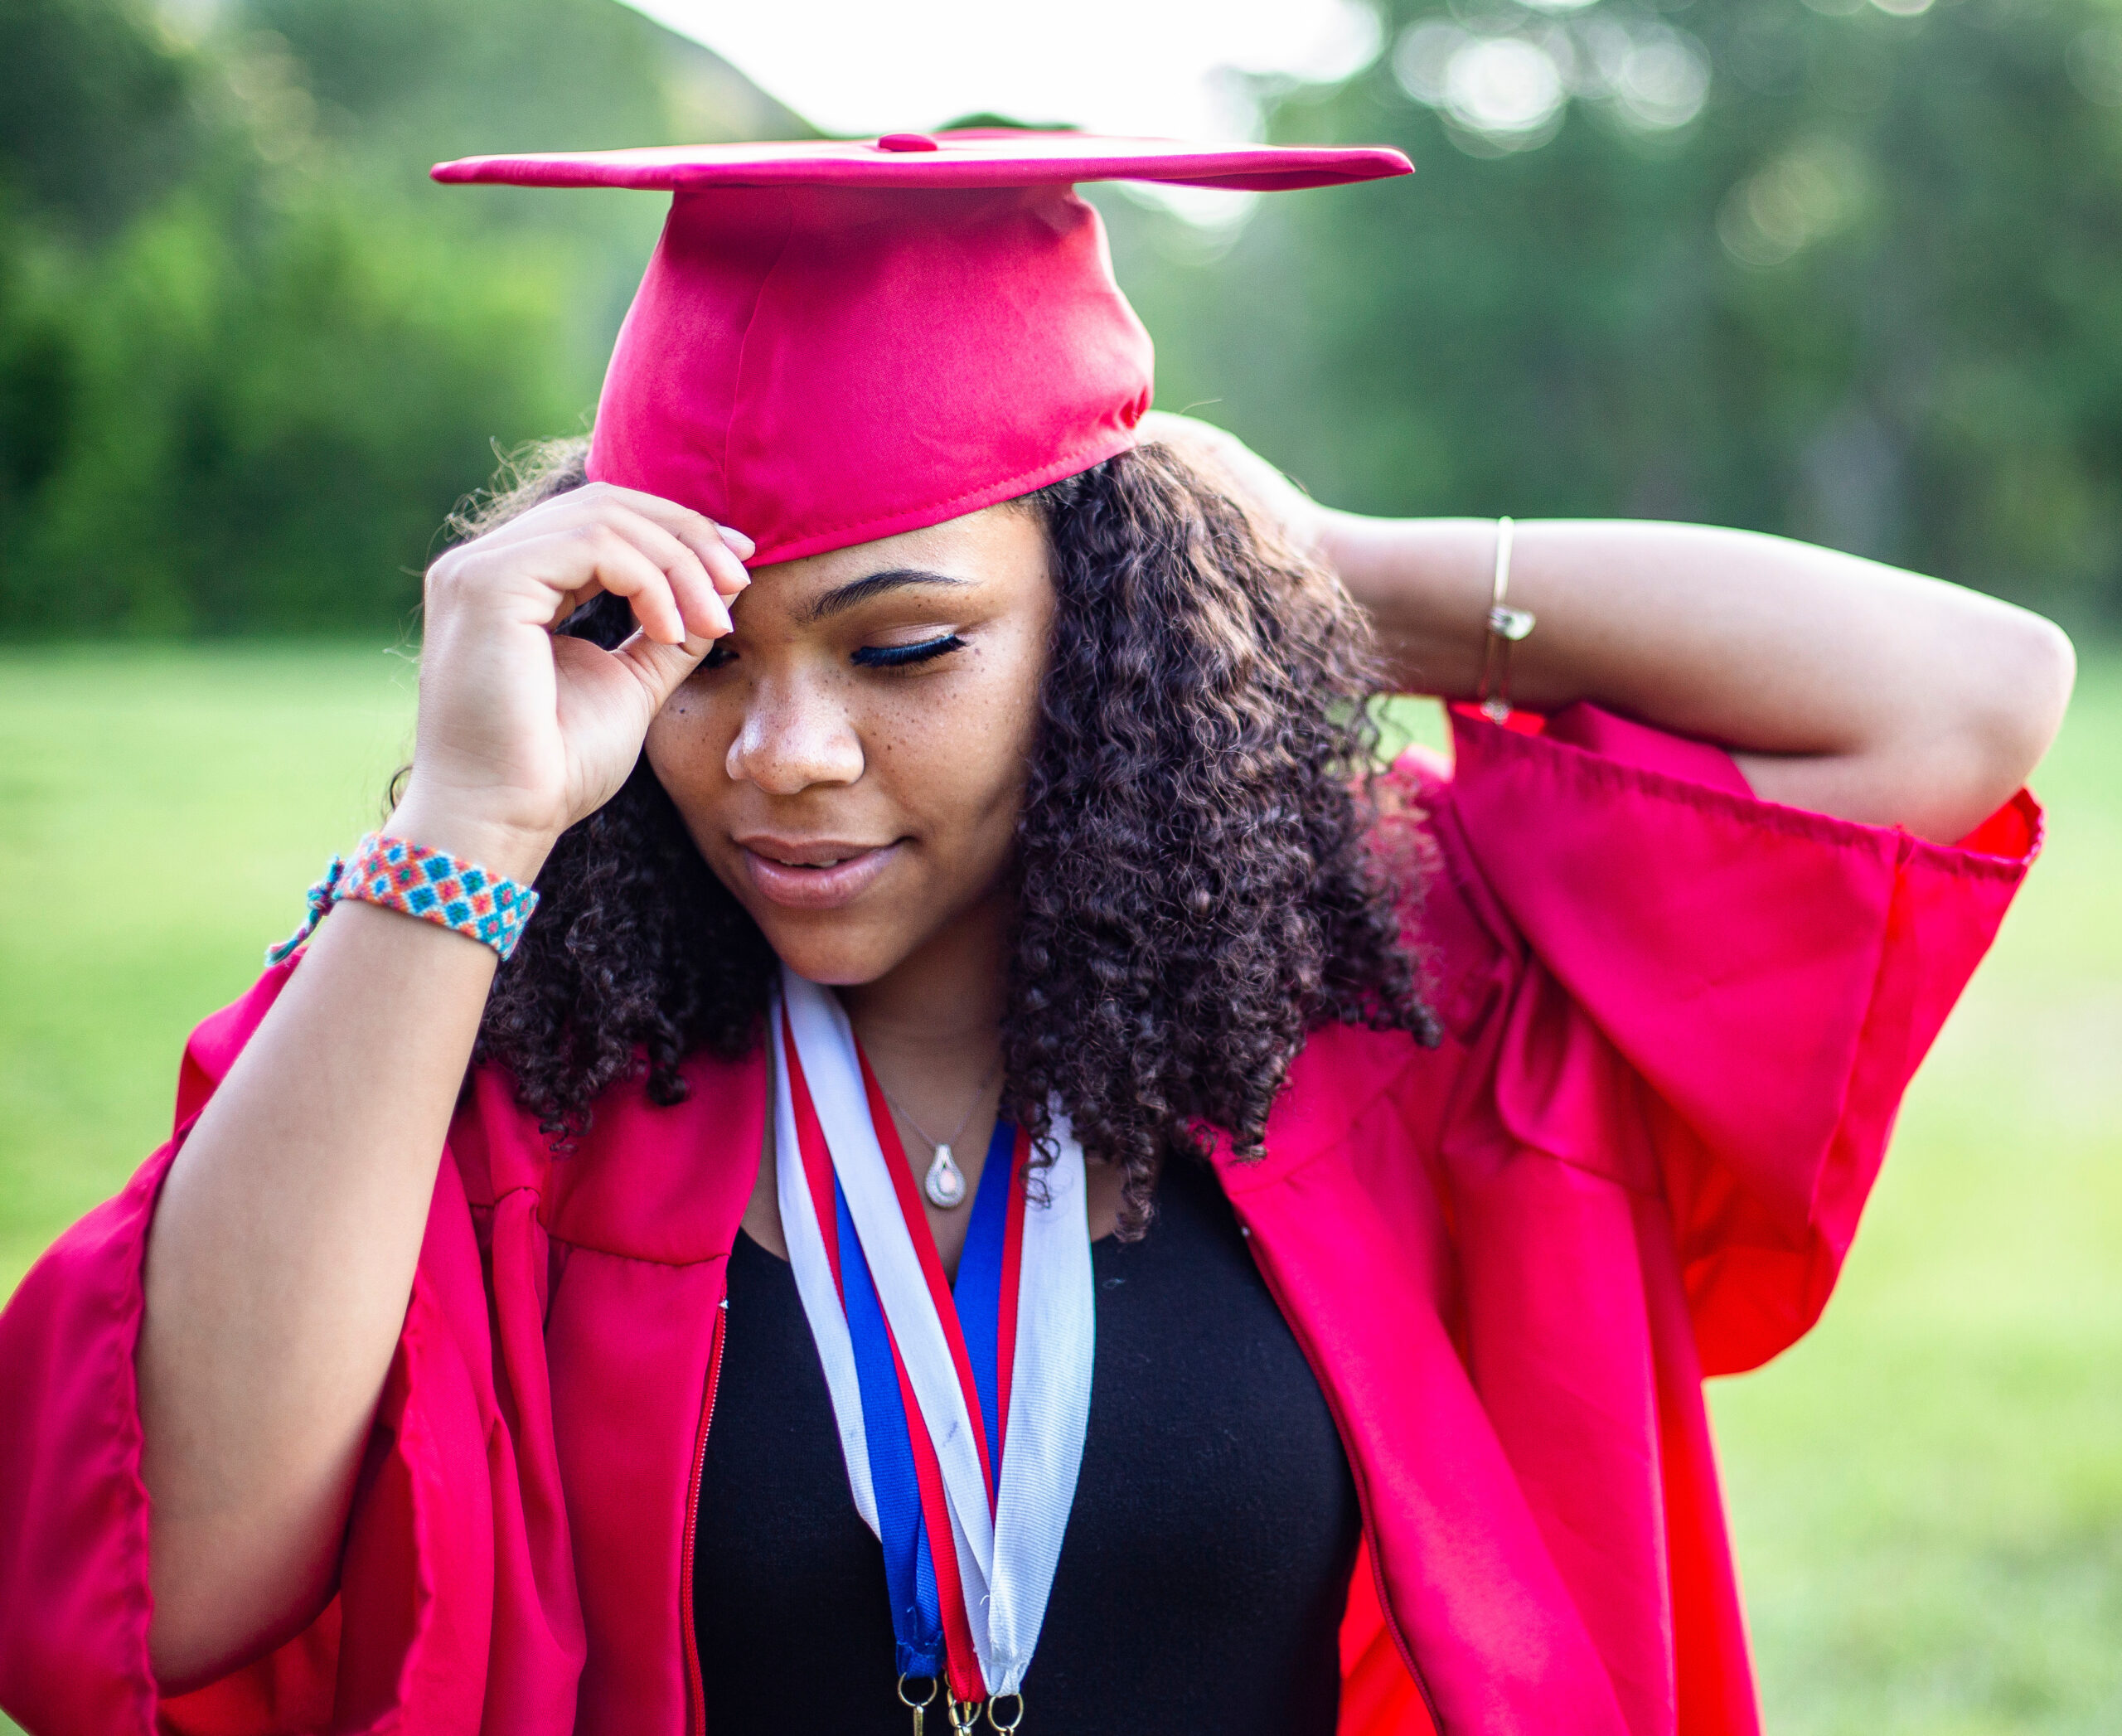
974, 753
949, 756
688, 748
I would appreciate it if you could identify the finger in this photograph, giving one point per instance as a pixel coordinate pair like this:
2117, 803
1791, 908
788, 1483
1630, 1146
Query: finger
624, 571
699, 598
568, 566
722, 549
719, 549
659, 668
575, 601
712, 545
680, 519
722, 561
577, 538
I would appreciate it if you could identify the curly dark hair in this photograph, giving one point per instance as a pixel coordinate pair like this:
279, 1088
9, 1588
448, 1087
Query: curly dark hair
1197, 885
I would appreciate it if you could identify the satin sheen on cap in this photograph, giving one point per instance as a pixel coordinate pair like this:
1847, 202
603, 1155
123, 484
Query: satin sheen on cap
839, 340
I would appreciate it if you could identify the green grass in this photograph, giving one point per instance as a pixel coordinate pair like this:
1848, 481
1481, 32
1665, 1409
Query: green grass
1926, 1494
161, 813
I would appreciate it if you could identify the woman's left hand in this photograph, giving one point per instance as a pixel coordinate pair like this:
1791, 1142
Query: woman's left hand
1840, 685
1249, 479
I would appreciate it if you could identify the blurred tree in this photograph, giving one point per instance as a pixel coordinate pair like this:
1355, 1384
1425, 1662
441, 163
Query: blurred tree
96, 111
1832, 269
397, 85
249, 354
1845, 269
262, 430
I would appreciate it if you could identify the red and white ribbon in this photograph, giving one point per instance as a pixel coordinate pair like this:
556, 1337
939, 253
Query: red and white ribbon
1007, 1555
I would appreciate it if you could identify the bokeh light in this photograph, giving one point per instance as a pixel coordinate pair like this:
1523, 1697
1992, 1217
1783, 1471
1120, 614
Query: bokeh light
1505, 85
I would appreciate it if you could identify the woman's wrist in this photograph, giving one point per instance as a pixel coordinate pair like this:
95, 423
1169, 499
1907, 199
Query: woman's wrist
1427, 584
500, 847
444, 889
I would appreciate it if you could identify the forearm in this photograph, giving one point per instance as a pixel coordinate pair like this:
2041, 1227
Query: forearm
279, 1263
1841, 685
284, 1242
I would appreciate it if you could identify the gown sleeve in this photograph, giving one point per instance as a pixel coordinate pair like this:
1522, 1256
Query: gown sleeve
1706, 995
405, 1641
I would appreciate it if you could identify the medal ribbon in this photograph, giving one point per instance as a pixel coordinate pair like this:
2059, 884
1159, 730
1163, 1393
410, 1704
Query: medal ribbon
961, 1412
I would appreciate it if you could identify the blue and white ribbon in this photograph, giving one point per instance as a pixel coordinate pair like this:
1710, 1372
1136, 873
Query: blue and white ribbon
1004, 1544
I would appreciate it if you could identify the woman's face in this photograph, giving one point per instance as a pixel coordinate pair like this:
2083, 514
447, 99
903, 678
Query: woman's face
850, 760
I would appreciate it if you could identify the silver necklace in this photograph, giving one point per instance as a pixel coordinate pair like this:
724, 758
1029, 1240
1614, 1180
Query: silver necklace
945, 1182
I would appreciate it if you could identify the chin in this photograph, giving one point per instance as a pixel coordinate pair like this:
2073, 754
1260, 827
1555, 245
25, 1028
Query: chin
834, 955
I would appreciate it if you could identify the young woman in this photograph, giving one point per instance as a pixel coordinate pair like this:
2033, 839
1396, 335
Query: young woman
1007, 1179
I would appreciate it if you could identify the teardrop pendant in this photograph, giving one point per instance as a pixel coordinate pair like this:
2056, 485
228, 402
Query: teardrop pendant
945, 1182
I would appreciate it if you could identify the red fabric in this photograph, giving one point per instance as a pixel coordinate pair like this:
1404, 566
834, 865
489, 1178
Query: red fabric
961, 1653
972, 157
837, 341
907, 1192
1013, 1274
1678, 1022
817, 1159
1378, 1697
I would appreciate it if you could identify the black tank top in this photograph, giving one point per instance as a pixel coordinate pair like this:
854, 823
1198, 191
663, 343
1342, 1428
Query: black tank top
1206, 1564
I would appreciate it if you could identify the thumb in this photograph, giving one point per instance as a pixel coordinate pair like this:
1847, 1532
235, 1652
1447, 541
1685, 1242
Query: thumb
660, 667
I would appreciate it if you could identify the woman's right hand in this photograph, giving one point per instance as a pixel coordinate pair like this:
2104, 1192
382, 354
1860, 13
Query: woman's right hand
522, 731
286, 1236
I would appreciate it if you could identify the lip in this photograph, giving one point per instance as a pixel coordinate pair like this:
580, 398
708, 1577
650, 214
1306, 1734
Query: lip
776, 868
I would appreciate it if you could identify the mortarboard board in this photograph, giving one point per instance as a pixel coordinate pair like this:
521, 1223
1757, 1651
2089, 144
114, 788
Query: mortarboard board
837, 340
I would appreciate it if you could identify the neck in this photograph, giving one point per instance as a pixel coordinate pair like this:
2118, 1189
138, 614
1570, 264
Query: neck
937, 1015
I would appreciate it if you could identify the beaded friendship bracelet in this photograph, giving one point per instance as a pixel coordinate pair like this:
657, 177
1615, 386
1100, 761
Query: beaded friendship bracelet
429, 883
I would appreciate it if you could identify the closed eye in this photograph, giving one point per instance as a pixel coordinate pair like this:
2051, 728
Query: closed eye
899, 656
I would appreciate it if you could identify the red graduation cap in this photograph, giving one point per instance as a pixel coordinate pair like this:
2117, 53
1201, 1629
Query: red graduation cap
837, 340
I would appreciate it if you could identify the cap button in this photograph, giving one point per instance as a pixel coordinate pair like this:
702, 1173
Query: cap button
907, 142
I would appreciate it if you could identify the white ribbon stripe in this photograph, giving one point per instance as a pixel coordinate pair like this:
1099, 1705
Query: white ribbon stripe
1006, 1561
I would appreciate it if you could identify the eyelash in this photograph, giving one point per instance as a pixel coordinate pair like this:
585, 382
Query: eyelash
901, 657
873, 657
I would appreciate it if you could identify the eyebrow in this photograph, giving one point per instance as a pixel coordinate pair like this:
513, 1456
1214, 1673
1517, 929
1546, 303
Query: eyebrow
857, 591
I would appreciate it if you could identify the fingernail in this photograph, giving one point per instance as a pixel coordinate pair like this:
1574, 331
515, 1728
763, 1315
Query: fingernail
732, 536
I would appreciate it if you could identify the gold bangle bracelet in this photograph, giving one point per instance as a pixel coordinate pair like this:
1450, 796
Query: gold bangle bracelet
1506, 627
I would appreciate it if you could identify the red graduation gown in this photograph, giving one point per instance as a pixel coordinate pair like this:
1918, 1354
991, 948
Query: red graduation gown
1678, 1023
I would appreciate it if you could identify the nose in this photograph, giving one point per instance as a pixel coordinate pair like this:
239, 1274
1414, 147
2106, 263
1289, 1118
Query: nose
794, 736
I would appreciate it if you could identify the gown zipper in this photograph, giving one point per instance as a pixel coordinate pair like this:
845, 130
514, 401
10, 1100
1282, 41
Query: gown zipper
695, 1688
1363, 1502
